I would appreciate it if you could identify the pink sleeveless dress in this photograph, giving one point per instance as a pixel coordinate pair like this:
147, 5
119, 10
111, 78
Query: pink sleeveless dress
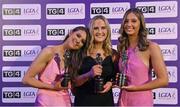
48, 97
137, 74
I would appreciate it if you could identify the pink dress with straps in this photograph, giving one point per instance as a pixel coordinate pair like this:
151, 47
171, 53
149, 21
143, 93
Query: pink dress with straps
137, 74
48, 97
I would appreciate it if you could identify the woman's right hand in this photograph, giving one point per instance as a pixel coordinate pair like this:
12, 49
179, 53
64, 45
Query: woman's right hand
96, 70
57, 86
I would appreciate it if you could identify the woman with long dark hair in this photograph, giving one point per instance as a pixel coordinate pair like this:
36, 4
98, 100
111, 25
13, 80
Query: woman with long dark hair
50, 68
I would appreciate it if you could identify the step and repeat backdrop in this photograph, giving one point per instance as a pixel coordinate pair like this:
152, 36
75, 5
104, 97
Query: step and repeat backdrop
27, 26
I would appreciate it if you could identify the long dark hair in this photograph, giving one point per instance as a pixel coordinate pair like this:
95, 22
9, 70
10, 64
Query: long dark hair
78, 55
143, 42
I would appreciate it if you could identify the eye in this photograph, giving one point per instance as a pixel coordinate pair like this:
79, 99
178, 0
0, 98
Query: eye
126, 21
134, 20
95, 28
104, 27
78, 35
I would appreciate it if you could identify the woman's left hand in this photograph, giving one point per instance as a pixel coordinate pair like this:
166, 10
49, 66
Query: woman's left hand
107, 87
129, 88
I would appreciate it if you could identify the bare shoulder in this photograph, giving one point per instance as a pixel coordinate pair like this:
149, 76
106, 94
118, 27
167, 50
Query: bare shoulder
47, 53
48, 50
154, 49
153, 46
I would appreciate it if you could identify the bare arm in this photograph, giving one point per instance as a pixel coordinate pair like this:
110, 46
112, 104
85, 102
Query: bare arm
159, 68
36, 67
81, 79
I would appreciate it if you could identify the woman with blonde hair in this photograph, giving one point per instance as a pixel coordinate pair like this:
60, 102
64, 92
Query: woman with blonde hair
99, 48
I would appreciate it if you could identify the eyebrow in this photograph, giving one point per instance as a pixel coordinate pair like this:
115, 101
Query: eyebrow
100, 27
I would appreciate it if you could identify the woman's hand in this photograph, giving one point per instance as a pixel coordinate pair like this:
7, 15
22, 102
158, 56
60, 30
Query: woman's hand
107, 87
96, 70
57, 86
129, 88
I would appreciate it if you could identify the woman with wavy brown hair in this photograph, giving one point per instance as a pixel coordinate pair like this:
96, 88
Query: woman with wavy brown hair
141, 55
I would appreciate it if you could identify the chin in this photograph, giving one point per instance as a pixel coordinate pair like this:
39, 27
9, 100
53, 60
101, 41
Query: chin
99, 41
129, 34
75, 48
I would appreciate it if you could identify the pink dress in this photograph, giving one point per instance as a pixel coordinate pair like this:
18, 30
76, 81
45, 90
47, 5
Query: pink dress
137, 74
48, 97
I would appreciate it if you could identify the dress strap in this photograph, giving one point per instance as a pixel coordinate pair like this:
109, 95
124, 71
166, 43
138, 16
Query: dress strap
57, 59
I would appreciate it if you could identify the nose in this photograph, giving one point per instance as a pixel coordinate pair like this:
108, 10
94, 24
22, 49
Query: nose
78, 41
99, 30
129, 23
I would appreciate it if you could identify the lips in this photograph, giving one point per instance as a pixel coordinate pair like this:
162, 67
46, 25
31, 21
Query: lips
129, 29
100, 36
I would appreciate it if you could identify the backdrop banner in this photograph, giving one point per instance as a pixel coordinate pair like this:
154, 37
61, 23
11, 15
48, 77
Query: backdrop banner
27, 26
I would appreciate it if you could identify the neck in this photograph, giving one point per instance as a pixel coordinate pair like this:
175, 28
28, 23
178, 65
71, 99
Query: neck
133, 41
62, 48
65, 46
98, 46
98, 49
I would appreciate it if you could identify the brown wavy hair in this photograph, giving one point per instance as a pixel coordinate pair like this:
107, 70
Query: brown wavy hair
123, 40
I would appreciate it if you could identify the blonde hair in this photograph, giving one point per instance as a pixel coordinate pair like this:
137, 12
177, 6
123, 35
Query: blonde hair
107, 47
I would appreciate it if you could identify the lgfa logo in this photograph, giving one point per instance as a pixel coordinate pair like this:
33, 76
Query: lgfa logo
167, 8
30, 52
31, 11
169, 52
165, 96
29, 94
74, 11
166, 30
119, 10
